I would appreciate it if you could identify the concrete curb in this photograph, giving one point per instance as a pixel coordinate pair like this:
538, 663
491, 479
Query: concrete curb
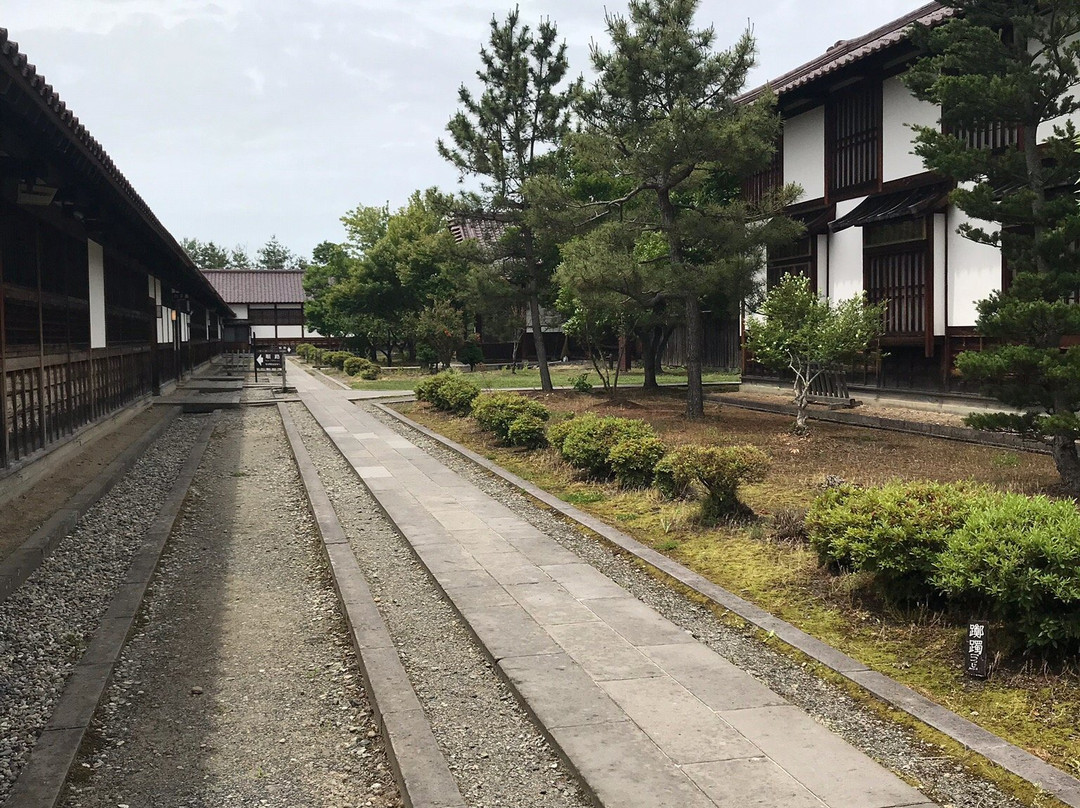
21, 563
419, 766
970, 735
41, 782
994, 440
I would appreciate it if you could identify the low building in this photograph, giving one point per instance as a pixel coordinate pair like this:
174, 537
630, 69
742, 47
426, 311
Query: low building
99, 305
876, 220
268, 306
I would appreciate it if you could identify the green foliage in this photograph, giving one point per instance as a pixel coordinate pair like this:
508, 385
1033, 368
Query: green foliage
304, 350
557, 432
633, 460
275, 255
496, 412
1023, 80
662, 117
471, 353
719, 470
527, 430
589, 439
362, 367
1019, 557
582, 384
808, 334
208, 255
449, 392
896, 531
439, 327
336, 359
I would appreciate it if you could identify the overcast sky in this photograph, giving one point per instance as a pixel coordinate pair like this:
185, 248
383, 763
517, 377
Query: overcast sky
238, 119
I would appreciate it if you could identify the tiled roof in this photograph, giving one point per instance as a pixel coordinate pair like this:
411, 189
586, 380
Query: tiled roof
71, 130
258, 285
848, 51
486, 231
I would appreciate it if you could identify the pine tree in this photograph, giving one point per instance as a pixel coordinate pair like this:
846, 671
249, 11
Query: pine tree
664, 114
506, 137
1011, 66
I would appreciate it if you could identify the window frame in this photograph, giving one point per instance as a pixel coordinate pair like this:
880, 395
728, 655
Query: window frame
870, 87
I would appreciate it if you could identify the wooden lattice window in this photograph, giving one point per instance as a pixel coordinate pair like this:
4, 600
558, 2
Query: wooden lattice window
854, 145
758, 185
796, 258
897, 263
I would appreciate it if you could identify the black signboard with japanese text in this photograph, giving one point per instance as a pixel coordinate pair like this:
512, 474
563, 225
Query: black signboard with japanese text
976, 656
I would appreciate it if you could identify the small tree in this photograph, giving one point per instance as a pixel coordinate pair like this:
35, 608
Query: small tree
809, 335
439, 328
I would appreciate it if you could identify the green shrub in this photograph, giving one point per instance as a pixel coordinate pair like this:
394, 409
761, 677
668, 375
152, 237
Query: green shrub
633, 460
589, 439
448, 391
558, 430
354, 364
495, 412
526, 430
719, 470
370, 372
336, 358
582, 384
471, 354
1019, 557
896, 531
304, 349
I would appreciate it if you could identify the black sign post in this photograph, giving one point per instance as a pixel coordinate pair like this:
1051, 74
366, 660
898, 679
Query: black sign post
976, 658
270, 360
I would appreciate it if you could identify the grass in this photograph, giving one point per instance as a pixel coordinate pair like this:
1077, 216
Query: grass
1030, 703
561, 376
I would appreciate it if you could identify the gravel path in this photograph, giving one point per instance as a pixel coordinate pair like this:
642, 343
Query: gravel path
239, 687
496, 754
46, 624
927, 767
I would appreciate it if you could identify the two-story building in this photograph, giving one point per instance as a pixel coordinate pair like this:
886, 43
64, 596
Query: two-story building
876, 220
268, 305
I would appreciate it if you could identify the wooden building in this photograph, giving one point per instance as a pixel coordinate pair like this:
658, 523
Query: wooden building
99, 305
876, 220
267, 304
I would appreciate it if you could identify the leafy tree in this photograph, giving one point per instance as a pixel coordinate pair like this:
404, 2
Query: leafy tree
238, 258
1015, 64
663, 116
811, 335
439, 327
330, 266
275, 255
506, 137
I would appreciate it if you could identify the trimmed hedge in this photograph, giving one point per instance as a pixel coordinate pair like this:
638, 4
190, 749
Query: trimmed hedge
362, 367
496, 412
448, 391
719, 470
633, 460
1019, 557
896, 531
589, 440
527, 430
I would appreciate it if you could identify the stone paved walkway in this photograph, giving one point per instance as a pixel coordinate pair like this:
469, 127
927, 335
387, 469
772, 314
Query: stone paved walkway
645, 713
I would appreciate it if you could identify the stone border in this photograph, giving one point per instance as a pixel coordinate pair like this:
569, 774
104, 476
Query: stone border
41, 782
21, 562
419, 766
996, 440
1008, 756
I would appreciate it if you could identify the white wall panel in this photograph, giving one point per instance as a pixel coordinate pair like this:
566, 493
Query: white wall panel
940, 231
96, 260
974, 272
804, 152
846, 256
900, 109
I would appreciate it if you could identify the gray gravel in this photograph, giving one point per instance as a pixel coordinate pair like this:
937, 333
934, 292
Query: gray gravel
239, 686
46, 624
493, 749
925, 766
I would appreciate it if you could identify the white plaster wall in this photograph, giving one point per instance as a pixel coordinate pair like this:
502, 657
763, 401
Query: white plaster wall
846, 256
940, 231
240, 309
899, 110
264, 331
804, 152
974, 272
1047, 129
289, 331
822, 264
96, 260
185, 327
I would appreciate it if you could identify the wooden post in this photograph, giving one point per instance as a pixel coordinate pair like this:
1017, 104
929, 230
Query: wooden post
42, 386
4, 446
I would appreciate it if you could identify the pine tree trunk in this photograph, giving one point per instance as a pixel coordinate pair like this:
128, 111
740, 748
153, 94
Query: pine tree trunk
650, 358
1063, 449
695, 401
538, 340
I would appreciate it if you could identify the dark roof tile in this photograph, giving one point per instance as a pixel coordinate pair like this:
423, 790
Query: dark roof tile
258, 285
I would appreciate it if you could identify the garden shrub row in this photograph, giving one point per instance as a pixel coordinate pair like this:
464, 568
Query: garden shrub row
1009, 557
448, 391
345, 361
514, 419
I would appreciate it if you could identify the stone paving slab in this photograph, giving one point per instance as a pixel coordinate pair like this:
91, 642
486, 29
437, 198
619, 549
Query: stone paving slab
641, 710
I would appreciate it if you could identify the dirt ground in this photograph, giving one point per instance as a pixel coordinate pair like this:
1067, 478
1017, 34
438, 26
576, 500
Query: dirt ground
23, 514
239, 688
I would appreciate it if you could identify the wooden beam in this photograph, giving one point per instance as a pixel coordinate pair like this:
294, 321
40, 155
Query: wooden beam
4, 447
43, 430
